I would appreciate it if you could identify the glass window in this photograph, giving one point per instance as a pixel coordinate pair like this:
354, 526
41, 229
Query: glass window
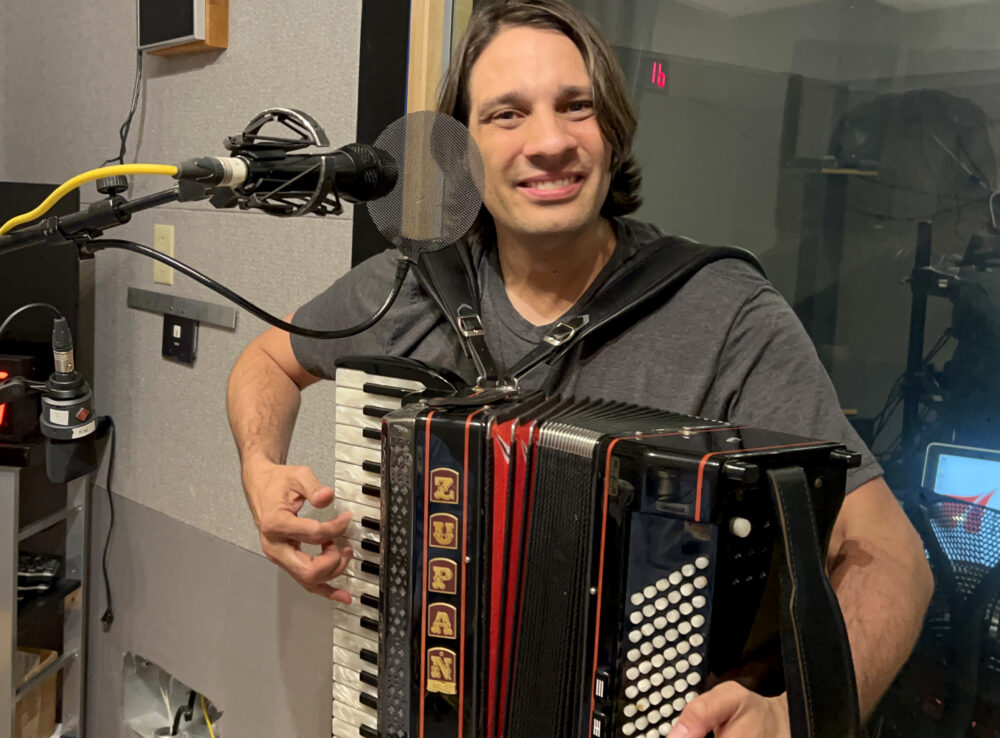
851, 145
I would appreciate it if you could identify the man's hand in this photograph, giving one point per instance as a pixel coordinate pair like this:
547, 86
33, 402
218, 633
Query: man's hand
276, 493
733, 711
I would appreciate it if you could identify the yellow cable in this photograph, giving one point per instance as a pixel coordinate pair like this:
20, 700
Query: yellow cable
207, 721
80, 179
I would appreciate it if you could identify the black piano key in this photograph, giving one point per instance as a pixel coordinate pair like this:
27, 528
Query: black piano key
368, 701
368, 601
373, 433
368, 678
369, 567
372, 546
371, 490
385, 390
371, 524
374, 411
369, 624
372, 466
368, 655
365, 732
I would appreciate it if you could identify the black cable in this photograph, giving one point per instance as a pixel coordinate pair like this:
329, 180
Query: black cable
29, 306
123, 131
109, 616
402, 268
187, 711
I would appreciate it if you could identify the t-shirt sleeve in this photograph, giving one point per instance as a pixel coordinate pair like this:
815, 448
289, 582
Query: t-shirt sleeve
352, 299
771, 377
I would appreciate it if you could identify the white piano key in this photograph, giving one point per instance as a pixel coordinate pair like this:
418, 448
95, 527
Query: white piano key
352, 491
355, 543
355, 586
352, 434
352, 624
344, 677
354, 416
356, 379
354, 570
352, 660
354, 473
357, 609
355, 715
345, 730
358, 509
354, 642
356, 454
348, 397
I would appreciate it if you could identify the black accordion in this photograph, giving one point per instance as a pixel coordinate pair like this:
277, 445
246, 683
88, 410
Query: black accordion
531, 566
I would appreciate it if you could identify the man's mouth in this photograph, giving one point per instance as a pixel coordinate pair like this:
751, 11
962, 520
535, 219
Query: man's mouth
552, 184
552, 188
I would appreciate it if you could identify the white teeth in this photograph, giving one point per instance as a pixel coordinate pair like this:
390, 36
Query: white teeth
553, 184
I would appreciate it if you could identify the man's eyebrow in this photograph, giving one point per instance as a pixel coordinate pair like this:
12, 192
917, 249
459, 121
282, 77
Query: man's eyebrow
514, 97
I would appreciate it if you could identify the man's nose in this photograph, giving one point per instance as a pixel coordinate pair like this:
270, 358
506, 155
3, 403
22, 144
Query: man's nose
548, 136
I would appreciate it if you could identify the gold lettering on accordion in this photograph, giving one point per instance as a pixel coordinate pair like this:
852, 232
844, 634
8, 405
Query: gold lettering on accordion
444, 485
442, 620
444, 531
443, 576
441, 671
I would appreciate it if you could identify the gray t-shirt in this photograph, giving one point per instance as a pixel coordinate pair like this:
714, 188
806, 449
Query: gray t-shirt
726, 346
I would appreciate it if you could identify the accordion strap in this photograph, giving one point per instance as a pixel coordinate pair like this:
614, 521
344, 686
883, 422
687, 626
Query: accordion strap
635, 292
647, 283
815, 652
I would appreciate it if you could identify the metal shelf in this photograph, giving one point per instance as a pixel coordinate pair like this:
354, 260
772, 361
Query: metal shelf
71, 662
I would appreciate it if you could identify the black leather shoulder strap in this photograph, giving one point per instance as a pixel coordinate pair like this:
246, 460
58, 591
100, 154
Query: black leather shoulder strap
648, 282
449, 277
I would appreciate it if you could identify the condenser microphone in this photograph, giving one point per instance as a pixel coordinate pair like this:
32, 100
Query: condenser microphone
357, 172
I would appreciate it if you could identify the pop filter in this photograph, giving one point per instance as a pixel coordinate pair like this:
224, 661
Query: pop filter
439, 187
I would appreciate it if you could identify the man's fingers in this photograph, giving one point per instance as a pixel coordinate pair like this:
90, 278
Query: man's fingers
285, 524
710, 711
318, 494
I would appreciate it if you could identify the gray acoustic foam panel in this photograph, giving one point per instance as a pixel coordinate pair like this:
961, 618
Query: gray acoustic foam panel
176, 453
70, 68
69, 72
222, 620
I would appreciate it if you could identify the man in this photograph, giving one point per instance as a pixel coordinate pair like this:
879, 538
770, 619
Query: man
545, 102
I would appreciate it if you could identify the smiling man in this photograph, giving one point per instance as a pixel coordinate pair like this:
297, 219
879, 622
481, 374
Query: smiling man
545, 101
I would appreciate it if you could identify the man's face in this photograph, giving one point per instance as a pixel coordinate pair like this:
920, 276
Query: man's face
532, 115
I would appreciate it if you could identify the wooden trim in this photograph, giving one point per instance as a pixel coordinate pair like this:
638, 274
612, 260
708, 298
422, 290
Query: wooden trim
216, 32
426, 52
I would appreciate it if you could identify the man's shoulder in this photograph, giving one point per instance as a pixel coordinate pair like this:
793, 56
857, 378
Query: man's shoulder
729, 278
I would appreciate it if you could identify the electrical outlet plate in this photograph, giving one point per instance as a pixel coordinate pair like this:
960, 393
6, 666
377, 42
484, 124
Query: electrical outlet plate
163, 241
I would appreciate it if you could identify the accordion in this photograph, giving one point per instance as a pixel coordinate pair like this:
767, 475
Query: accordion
532, 566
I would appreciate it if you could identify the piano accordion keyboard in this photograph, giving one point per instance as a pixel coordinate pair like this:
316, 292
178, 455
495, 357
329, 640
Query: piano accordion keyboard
361, 401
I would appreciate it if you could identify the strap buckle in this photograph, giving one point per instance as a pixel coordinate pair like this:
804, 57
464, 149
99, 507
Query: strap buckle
469, 323
564, 331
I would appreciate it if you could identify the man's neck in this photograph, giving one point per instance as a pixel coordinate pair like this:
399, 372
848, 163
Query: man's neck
545, 276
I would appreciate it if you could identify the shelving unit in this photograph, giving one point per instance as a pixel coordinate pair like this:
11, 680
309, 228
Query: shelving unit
20, 467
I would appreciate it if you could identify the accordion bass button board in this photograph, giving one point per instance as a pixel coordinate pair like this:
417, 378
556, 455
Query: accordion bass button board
550, 567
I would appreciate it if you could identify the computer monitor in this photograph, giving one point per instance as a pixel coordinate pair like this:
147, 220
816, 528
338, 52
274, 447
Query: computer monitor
964, 473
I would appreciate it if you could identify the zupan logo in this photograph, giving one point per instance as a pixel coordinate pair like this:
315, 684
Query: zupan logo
443, 579
442, 620
444, 529
441, 671
444, 485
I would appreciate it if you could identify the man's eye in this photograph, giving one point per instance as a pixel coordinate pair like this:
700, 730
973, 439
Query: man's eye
580, 106
505, 115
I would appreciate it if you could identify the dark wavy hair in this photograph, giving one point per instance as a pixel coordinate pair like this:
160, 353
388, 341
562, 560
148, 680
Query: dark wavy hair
615, 114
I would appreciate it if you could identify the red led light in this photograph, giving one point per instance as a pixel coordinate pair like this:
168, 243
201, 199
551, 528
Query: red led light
3, 376
659, 76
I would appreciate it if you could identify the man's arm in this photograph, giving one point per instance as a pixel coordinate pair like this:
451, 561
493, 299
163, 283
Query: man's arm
878, 569
883, 583
263, 400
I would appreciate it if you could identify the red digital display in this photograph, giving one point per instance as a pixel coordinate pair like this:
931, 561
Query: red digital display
658, 77
3, 376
